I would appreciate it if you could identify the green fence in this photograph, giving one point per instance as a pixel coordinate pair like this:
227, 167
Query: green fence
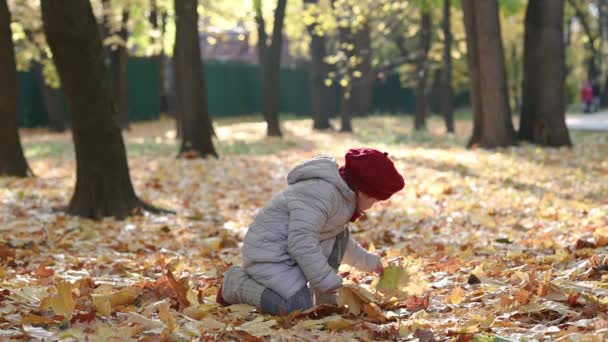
233, 89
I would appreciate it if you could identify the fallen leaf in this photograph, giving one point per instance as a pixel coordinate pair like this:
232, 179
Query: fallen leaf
34, 320
43, 272
63, 302
105, 303
347, 297
258, 327
338, 323
403, 281
456, 296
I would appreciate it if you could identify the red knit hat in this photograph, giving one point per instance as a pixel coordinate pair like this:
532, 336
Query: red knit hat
371, 172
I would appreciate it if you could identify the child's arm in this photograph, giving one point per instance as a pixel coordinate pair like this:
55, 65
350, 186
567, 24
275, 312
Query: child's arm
308, 211
357, 256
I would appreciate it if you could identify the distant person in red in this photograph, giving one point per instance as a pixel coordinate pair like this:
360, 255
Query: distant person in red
587, 96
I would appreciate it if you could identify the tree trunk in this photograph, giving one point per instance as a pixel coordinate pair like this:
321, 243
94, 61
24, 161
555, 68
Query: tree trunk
120, 58
447, 104
346, 114
583, 20
542, 115
346, 97
319, 108
196, 124
52, 102
362, 87
160, 57
492, 125
319, 98
422, 73
103, 185
12, 161
270, 57
179, 107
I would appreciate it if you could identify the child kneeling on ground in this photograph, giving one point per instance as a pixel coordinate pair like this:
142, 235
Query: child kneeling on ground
301, 236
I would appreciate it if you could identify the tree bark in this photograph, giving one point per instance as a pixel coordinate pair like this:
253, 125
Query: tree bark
196, 124
12, 160
542, 116
179, 116
362, 87
492, 125
447, 104
592, 70
103, 185
346, 96
52, 102
422, 73
160, 56
270, 61
120, 58
319, 108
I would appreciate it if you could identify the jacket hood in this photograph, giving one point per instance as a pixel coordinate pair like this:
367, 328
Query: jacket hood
324, 168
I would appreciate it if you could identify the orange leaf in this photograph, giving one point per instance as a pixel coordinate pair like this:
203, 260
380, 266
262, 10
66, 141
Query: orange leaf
32, 319
169, 287
522, 296
84, 317
43, 272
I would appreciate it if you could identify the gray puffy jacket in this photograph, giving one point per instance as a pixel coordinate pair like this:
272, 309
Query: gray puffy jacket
288, 243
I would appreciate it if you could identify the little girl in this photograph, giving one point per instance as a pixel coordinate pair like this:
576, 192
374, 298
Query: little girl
301, 236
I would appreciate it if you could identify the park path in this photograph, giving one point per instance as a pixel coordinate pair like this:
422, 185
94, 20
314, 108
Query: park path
588, 122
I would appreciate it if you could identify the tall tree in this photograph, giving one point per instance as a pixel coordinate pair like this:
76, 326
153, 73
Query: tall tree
116, 39
422, 71
103, 185
12, 161
160, 57
52, 101
447, 105
593, 39
345, 35
196, 126
363, 80
319, 99
542, 115
270, 62
120, 60
492, 126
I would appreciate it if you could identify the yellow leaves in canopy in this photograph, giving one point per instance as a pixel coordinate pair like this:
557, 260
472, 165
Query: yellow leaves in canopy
63, 302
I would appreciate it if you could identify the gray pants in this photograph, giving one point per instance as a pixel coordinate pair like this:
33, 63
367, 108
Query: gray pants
240, 288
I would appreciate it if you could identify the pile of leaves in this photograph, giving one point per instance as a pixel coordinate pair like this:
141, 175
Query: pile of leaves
485, 245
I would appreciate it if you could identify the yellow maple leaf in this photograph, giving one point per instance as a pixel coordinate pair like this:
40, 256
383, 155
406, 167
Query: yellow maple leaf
258, 327
104, 303
347, 297
456, 296
63, 302
167, 317
403, 281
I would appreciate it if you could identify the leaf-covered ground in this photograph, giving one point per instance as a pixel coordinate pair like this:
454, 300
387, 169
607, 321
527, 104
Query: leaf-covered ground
496, 244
